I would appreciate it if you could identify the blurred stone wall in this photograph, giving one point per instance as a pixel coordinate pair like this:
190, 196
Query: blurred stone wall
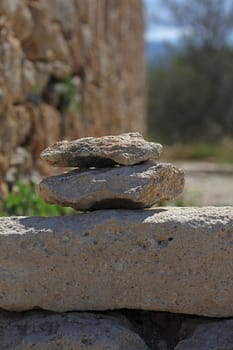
68, 68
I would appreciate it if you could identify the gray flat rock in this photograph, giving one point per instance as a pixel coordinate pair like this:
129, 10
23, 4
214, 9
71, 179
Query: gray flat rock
127, 187
125, 149
216, 335
78, 331
166, 259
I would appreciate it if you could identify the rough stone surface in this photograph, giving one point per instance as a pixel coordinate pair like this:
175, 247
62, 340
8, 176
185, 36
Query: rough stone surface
19, 15
24, 122
46, 41
8, 136
47, 122
42, 43
126, 187
216, 335
166, 259
11, 61
127, 329
78, 331
125, 149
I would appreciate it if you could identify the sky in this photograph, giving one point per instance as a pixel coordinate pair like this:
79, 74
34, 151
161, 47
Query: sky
167, 32
158, 32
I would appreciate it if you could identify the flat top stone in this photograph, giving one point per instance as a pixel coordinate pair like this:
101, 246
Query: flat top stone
125, 149
165, 259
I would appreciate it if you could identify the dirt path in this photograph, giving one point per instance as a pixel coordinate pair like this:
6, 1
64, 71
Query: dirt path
207, 183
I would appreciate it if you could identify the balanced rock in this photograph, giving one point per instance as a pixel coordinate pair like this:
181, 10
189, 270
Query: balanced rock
129, 187
166, 259
45, 331
125, 149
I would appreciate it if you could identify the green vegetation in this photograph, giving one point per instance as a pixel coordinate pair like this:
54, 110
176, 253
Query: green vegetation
221, 152
190, 94
180, 201
191, 99
24, 201
69, 98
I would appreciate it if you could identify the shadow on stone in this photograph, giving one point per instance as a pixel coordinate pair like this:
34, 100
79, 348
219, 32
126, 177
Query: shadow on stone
61, 223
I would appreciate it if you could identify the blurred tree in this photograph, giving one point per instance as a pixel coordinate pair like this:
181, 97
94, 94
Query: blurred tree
191, 99
206, 23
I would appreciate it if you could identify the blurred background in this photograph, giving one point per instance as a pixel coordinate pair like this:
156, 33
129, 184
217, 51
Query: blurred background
189, 56
77, 68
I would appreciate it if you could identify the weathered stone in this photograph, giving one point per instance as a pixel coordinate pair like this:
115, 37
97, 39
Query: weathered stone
11, 61
23, 121
5, 101
30, 84
46, 123
19, 14
73, 126
46, 41
65, 13
79, 331
20, 167
4, 190
125, 149
216, 335
131, 187
8, 136
166, 259
107, 36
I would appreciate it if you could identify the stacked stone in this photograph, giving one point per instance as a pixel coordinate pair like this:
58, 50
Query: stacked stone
111, 172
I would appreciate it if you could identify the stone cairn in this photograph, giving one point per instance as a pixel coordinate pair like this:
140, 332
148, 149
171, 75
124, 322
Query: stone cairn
113, 172
130, 265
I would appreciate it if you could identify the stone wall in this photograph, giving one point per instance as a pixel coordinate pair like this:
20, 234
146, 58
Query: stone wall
67, 69
148, 279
